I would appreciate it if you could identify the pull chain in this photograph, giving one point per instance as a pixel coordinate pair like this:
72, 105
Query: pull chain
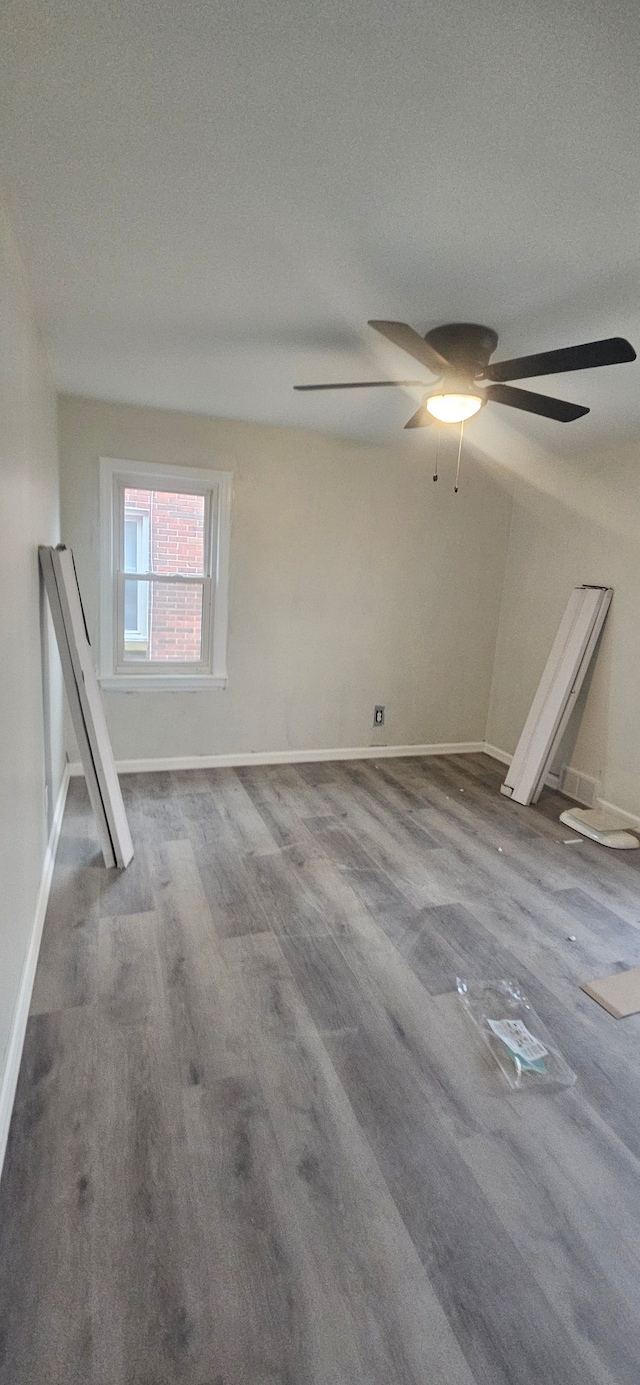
455, 488
435, 469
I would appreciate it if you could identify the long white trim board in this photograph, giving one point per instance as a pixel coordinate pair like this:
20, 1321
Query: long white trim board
85, 704
555, 699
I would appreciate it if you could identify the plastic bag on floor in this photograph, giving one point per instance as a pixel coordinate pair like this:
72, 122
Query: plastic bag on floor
513, 1033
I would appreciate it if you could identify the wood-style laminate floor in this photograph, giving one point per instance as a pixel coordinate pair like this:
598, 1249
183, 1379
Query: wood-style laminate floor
255, 1141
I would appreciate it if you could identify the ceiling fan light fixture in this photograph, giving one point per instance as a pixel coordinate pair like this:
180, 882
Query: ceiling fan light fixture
453, 408
458, 354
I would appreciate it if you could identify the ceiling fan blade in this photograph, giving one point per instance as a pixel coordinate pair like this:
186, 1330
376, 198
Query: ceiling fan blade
421, 419
612, 351
360, 385
544, 404
403, 335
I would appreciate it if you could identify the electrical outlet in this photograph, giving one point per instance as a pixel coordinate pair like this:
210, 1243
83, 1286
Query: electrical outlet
378, 716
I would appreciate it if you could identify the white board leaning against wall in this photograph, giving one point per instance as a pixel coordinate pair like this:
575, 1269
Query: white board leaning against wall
555, 699
85, 704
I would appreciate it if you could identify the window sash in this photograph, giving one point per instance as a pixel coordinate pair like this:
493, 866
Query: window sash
210, 493
140, 668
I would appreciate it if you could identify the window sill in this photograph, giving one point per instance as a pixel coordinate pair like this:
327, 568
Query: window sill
162, 682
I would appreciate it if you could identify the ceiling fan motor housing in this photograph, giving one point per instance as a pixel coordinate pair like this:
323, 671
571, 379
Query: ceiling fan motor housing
466, 345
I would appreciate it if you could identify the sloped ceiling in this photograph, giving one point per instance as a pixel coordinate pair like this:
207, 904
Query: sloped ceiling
212, 198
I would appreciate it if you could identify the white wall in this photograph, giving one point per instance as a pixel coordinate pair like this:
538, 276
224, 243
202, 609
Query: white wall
354, 580
31, 760
575, 521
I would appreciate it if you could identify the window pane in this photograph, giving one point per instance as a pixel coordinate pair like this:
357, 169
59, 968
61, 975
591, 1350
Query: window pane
131, 545
170, 535
170, 614
130, 607
137, 518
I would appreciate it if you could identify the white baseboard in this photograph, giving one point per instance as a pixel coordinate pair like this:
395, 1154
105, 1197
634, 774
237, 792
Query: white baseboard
631, 818
9, 1077
288, 757
552, 780
496, 754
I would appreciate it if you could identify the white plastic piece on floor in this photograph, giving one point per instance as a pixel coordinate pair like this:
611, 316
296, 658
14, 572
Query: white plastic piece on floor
605, 828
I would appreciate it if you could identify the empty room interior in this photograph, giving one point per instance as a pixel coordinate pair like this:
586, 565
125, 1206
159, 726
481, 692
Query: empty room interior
319, 693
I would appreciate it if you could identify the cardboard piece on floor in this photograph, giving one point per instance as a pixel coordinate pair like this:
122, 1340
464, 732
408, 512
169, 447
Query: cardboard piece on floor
619, 994
85, 704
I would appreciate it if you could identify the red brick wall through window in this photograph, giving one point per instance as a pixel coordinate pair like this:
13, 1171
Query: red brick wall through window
175, 545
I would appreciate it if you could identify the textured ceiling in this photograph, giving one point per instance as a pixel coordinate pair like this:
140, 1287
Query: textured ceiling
212, 198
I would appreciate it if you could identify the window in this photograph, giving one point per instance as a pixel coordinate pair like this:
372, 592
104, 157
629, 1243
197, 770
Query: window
164, 571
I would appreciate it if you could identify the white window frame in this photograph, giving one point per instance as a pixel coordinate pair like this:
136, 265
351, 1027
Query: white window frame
116, 673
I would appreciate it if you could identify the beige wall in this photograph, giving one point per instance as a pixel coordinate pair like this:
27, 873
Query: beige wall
31, 754
354, 580
573, 522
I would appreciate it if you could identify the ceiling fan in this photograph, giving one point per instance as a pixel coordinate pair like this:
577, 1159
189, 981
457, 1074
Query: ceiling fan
458, 353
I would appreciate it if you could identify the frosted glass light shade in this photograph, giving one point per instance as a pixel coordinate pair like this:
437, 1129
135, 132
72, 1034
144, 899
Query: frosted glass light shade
453, 408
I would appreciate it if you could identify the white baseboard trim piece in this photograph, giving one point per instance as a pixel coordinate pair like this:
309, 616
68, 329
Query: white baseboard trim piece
289, 757
497, 754
552, 781
631, 818
9, 1078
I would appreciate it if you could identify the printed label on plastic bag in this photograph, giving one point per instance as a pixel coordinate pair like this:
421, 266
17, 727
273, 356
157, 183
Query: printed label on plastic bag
518, 1038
